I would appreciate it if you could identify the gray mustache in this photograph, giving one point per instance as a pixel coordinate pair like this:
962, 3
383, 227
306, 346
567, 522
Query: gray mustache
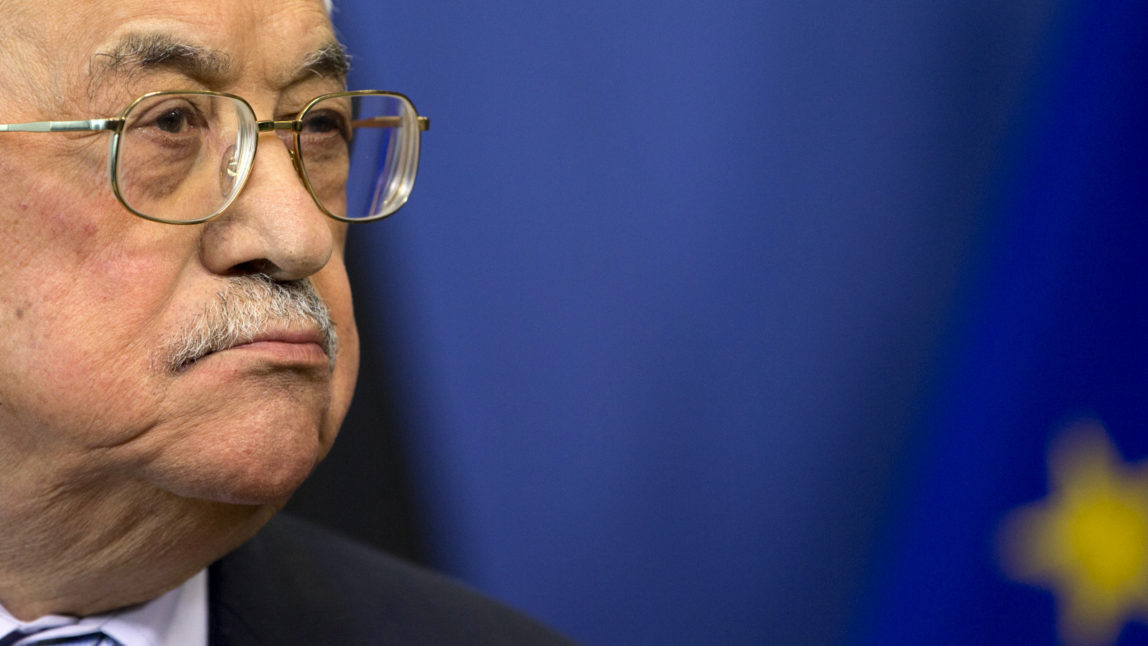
245, 307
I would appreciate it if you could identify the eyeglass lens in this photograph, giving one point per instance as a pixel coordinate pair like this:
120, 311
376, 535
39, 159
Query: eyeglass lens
365, 142
185, 157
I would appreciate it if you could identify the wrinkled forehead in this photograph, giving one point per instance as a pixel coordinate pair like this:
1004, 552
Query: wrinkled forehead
98, 46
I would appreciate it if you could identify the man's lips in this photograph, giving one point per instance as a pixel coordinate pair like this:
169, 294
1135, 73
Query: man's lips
287, 346
300, 337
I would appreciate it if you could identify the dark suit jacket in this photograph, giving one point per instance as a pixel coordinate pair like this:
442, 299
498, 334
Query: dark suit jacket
297, 584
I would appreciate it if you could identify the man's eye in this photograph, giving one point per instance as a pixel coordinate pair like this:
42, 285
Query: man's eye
175, 119
323, 123
172, 121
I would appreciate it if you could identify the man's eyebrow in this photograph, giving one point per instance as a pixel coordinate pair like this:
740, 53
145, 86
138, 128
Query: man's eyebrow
137, 52
329, 61
159, 50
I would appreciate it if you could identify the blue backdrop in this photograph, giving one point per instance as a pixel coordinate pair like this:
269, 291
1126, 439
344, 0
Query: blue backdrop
741, 322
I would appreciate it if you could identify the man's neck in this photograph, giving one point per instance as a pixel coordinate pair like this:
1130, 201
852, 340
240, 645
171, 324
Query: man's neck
82, 555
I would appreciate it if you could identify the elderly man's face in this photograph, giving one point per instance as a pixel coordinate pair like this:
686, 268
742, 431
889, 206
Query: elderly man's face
95, 302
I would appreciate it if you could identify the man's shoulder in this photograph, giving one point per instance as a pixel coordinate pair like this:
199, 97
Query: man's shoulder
295, 583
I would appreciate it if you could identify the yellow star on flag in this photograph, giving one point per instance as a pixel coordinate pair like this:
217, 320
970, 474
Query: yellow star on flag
1088, 540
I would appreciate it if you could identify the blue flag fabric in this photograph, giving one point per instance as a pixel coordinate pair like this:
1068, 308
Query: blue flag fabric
1050, 350
740, 322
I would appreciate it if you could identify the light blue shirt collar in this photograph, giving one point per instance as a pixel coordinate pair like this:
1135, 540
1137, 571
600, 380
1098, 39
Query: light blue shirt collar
177, 618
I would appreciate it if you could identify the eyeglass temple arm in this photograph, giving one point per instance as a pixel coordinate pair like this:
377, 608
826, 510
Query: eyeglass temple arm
62, 126
111, 124
388, 122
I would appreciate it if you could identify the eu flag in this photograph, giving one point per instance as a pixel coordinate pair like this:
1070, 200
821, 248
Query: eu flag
747, 322
1022, 511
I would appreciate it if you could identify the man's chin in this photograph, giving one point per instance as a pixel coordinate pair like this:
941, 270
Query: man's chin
239, 468
274, 490
251, 444
258, 482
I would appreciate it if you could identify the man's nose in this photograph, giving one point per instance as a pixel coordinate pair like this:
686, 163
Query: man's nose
274, 226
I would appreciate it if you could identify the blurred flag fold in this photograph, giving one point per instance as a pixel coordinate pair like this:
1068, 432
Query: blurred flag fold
1021, 514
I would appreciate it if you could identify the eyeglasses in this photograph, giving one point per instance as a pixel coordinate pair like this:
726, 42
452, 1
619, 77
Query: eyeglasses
182, 157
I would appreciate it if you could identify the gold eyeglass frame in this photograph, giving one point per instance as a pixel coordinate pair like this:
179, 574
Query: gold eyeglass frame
116, 126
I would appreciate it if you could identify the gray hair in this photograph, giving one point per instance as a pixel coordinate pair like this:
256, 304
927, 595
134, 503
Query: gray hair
242, 309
